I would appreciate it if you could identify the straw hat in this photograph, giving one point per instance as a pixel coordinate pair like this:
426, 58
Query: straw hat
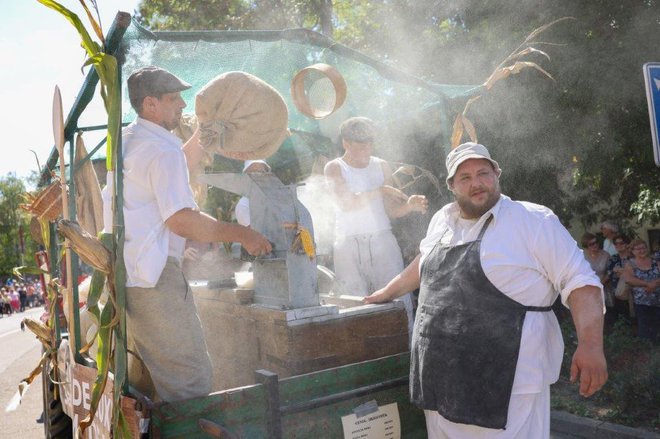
241, 117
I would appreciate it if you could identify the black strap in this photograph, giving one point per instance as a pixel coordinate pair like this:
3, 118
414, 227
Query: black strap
527, 308
484, 227
538, 308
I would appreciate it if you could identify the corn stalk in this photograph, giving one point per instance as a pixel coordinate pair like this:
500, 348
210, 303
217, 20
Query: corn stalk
514, 63
106, 68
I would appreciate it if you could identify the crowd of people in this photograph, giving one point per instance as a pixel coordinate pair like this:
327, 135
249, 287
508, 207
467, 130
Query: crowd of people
630, 273
16, 297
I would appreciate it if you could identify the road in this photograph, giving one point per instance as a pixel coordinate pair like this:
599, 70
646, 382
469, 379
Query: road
20, 354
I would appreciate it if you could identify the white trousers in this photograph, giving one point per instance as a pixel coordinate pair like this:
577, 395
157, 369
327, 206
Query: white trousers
366, 263
529, 418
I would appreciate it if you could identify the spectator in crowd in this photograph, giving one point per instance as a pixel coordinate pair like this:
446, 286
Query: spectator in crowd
619, 307
22, 296
31, 299
608, 230
5, 302
596, 256
643, 274
15, 299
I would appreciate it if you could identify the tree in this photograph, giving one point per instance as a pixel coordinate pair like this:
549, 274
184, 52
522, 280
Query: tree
236, 14
14, 227
580, 144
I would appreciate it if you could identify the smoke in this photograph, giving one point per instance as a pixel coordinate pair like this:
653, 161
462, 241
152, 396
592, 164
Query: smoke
537, 128
315, 195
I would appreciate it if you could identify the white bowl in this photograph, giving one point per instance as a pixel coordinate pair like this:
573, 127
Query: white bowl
244, 279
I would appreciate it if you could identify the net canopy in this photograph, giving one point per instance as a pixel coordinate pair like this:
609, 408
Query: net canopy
411, 112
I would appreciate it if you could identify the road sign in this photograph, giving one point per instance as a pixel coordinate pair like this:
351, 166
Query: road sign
652, 82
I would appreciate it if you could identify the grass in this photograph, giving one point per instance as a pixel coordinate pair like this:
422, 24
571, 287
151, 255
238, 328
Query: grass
631, 395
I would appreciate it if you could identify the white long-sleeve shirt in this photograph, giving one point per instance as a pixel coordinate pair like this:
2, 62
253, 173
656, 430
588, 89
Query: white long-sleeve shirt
529, 256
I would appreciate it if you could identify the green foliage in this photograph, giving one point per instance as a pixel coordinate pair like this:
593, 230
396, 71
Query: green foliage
13, 223
580, 145
106, 68
647, 206
632, 392
236, 14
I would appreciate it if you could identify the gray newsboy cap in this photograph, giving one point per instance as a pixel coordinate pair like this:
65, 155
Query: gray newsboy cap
152, 81
358, 129
466, 151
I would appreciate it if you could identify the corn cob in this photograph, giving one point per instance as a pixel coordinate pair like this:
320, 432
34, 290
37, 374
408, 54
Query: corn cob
307, 241
89, 248
40, 330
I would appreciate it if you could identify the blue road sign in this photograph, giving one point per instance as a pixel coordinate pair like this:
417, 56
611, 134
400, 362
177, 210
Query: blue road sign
652, 82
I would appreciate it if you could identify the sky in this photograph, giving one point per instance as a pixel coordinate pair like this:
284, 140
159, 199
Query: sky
39, 49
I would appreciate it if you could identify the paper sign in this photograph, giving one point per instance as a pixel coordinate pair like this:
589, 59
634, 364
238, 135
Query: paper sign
381, 424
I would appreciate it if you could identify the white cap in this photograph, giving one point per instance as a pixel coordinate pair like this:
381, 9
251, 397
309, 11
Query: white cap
466, 151
249, 163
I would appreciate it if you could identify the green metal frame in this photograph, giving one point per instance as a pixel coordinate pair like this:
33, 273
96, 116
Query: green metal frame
309, 405
112, 47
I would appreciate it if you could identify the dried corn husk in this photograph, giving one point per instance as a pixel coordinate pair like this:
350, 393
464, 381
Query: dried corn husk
509, 66
42, 331
46, 204
89, 204
90, 249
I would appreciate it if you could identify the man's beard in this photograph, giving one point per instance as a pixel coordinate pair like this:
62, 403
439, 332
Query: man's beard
470, 210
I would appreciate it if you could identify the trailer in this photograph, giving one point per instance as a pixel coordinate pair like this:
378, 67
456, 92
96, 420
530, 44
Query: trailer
272, 377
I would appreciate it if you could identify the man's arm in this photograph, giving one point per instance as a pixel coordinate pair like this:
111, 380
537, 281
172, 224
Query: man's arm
406, 281
588, 363
397, 203
198, 226
194, 153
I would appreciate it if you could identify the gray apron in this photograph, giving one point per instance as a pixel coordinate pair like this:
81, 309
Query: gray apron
466, 338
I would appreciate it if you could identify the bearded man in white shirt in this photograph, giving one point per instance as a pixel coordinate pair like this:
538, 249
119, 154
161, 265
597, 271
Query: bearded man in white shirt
486, 346
163, 327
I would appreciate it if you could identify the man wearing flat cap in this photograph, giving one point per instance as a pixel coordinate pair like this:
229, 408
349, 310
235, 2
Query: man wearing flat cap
160, 213
486, 346
366, 254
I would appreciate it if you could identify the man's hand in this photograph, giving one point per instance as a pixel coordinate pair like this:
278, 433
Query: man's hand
588, 363
380, 296
418, 203
652, 285
255, 243
590, 367
191, 253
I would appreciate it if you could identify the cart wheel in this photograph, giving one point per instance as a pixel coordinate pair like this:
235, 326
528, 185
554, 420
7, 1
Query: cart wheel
56, 423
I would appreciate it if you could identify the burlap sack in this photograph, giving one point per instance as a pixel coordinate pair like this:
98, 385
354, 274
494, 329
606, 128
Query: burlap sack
241, 117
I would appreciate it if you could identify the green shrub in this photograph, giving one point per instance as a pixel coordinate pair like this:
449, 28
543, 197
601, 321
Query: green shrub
631, 395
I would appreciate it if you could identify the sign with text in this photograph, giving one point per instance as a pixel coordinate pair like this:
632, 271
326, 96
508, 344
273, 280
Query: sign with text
77, 396
381, 424
652, 83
